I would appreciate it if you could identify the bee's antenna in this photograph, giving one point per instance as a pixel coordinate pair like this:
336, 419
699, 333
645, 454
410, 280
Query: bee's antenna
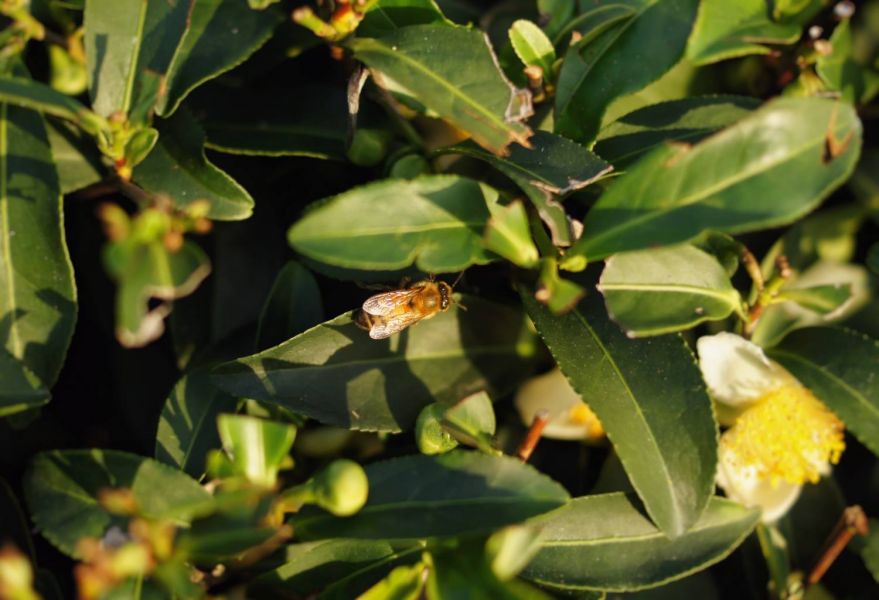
457, 279
461, 306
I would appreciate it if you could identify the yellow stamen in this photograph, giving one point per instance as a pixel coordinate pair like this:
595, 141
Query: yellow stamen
580, 414
786, 435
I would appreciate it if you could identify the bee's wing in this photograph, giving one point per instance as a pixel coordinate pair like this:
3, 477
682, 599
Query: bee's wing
389, 302
386, 327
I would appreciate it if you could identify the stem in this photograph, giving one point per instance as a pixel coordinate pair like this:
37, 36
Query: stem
526, 448
852, 521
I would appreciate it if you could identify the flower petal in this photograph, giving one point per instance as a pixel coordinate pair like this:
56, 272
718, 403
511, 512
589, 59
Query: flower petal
735, 370
742, 485
552, 392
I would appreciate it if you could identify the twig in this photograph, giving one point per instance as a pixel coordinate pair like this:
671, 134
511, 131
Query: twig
533, 436
853, 521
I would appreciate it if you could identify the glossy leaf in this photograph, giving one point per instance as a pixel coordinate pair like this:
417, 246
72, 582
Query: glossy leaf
689, 120
218, 37
508, 235
532, 46
335, 565
678, 191
650, 399
730, 29
294, 305
336, 374
38, 303
257, 448
449, 494
840, 367
385, 16
650, 292
619, 57
177, 168
552, 167
188, 422
471, 421
27, 93
62, 487
434, 221
20, 389
605, 542
453, 72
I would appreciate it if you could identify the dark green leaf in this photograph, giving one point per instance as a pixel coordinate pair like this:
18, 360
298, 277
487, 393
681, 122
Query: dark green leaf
27, 93
20, 389
651, 401
178, 168
617, 58
294, 305
464, 573
449, 494
336, 374
650, 292
385, 16
434, 221
76, 158
188, 423
840, 71
14, 527
605, 542
38, 303
840, 367
352, 565
678, 191
731, 29
61, 488
453, 72
689, 120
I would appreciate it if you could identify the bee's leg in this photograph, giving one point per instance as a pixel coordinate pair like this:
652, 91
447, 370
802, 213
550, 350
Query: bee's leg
405, 281
363, 319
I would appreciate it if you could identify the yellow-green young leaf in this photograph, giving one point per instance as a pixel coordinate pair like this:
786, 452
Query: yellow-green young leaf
507, 233
677, 191
416, 497
433, 221
62, 487
840, 367
532, 46
178, 168
626, 47
453, 72
188, 422
403, 583
336, 374
822, 299
20, 389
650, 292
649, 396
471, 421
605, 542
38, 299
689, 120
730, 29
258, 448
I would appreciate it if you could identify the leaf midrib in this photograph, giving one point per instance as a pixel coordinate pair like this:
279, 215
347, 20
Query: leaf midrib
729, 297
347, 236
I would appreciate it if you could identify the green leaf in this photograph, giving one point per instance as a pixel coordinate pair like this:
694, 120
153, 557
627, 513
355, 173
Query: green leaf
471, 421
605, 542
507, 234
552, 167
689, 120
177, 168
448, 494
433, 221
146, 271
823, 299
650, 292
559, 295
61, 489
453, 72
258, 448
649, 396
840, 367
336, 374
218, 37
731, 29
556, 14
333, 566
188, 422
464, 573
20, 389
619, 57
38, 300
510, 549
385, 16
532, 46
294, 305
403, 583
77, 160
27, 93
678, 191
840, 71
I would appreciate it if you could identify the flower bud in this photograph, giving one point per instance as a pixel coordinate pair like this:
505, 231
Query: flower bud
341, 488
429, 433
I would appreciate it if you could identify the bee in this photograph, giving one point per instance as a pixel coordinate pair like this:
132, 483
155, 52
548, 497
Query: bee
391, 312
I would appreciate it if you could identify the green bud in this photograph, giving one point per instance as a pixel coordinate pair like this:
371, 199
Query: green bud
430, 435
368, 147
139, 145
341, 488
409, 167
66, 74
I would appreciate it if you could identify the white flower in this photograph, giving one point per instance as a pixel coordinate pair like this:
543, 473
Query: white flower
569, 417
780, 435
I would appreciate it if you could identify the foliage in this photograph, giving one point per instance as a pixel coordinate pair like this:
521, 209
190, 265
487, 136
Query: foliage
668, 210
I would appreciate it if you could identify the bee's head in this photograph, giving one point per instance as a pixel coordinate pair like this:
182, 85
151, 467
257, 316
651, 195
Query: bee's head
445, 292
